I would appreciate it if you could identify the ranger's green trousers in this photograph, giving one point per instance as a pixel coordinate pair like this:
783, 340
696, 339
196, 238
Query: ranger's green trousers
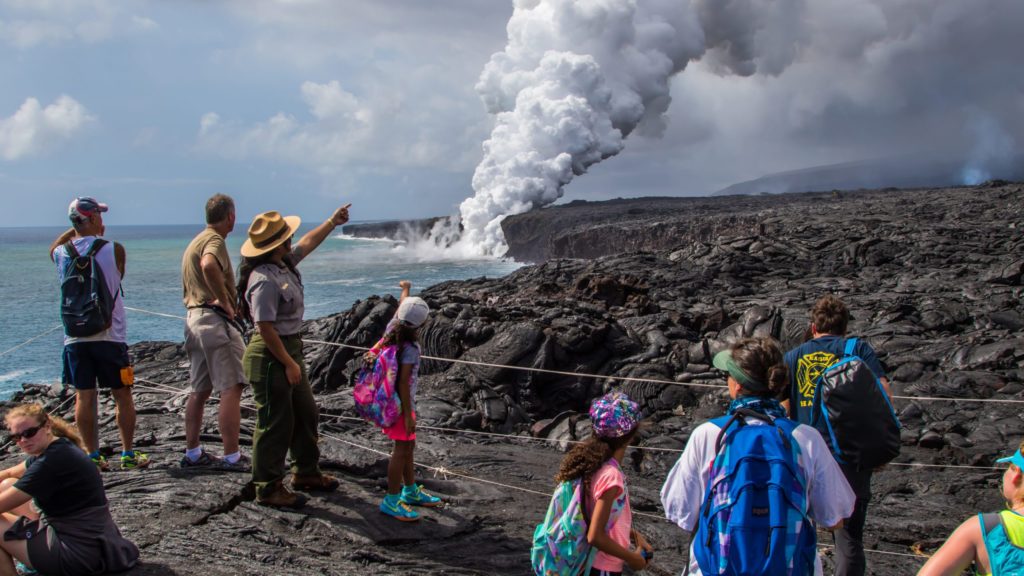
286, 417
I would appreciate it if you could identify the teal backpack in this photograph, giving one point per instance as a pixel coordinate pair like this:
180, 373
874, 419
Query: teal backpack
560, 546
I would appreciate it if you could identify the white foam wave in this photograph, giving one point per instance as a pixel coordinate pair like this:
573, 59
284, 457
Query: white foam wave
342, 282
14, 375
358, 239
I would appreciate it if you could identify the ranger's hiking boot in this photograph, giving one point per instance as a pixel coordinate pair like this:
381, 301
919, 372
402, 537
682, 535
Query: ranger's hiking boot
321, 483
393, 506
415, 495
281, 497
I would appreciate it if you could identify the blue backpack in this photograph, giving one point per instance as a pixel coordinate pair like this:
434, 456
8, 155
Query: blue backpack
753, 520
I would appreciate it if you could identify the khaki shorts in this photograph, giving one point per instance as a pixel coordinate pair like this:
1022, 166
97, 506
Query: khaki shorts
214, 350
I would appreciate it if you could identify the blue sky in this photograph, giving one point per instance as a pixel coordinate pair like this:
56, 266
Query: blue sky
300, 105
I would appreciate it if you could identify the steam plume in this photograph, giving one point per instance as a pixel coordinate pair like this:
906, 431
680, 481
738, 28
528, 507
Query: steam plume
861, 78
577, 77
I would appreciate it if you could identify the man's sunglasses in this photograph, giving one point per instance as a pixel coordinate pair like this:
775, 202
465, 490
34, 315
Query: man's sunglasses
26, 433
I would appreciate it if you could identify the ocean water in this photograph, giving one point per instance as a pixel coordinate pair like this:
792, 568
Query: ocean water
341, 271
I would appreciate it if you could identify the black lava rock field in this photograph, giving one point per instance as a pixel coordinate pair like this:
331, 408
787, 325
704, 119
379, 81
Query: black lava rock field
933, 278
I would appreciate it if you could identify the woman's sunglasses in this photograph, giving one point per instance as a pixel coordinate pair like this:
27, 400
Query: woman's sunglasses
26, 433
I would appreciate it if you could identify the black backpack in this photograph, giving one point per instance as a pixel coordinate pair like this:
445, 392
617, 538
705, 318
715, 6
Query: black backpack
86, 304
853, 408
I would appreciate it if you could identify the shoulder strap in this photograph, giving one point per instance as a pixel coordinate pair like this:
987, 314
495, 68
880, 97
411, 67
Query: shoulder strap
97, 245
850, 345
988, 522
584, 493
737, 417
69, 246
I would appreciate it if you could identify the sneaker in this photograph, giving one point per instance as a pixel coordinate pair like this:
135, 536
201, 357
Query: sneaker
100, 462
397, 509
281, 497
136, 460
417, 496
244, 464
205, 460
321, 483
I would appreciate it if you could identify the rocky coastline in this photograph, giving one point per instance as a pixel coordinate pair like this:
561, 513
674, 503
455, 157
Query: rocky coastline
640, 293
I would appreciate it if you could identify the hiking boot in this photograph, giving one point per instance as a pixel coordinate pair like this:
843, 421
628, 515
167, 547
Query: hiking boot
100, 462
393, 506
133, 461
244, 464
205, 460
281, 497
321, 483
415, 495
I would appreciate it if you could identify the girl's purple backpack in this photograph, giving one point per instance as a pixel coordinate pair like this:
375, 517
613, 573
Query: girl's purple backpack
375, 394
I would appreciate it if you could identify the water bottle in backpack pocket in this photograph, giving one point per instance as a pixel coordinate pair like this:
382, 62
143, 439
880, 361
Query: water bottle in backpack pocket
754, 517
854, 414
375, 392
86, 304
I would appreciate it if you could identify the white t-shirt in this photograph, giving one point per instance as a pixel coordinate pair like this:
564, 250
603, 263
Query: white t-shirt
107, 262
830, 498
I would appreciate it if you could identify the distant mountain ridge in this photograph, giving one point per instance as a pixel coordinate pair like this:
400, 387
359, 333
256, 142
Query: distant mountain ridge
898, 172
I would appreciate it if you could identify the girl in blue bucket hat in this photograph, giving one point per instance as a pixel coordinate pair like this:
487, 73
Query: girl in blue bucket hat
994, 542
615, 419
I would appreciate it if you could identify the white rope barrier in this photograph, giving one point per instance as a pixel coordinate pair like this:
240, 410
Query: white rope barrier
650, 380
530, 369
30, 340
600, 376
163, 388
150, 312
445, 472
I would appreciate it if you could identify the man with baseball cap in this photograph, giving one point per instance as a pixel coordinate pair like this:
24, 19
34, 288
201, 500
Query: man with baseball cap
101, 357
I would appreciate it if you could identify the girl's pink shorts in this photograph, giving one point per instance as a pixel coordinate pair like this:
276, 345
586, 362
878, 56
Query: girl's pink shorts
397, 430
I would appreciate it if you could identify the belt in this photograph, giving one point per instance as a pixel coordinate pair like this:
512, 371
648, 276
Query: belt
223, 314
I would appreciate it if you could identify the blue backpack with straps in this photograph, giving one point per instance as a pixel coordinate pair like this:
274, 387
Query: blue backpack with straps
753, 520
854, 414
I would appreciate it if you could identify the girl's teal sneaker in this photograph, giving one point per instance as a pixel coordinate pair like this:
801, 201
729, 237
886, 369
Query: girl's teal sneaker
415, 495
394, 507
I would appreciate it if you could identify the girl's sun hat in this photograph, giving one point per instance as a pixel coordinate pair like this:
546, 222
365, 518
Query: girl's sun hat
413, 311
1016, 459
614, 415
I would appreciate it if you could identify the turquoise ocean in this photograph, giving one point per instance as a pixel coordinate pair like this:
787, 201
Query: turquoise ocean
341, 271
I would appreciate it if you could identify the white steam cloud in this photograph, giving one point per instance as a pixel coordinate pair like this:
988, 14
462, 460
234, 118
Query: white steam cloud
833, 81
577, 77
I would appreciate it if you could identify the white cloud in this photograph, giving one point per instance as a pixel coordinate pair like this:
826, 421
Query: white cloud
26, 24
35, 130
384, 129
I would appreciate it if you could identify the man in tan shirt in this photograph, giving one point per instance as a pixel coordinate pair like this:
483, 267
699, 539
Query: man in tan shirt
212, 339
